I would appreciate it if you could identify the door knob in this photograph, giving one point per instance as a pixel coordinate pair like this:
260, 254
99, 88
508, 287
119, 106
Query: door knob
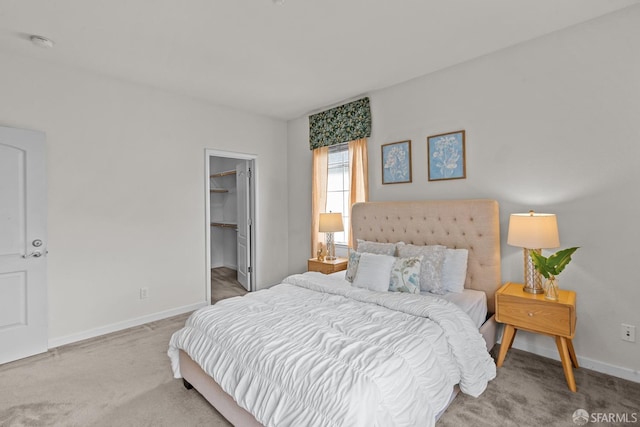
34, 254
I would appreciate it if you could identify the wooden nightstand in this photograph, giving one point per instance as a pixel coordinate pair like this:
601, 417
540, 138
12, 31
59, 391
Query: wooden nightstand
532, 312
327, 267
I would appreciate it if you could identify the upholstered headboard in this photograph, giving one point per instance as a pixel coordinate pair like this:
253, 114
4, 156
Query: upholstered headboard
470, 224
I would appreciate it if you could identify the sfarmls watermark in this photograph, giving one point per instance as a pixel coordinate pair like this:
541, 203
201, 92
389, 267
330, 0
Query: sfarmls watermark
582, 417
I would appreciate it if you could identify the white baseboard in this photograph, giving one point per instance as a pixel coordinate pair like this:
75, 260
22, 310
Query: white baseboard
585, 362
115, 327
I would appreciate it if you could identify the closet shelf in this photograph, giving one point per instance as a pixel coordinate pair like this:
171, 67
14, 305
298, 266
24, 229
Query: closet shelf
220, 174
224, 225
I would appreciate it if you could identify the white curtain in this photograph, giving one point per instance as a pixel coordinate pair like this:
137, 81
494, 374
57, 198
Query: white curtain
318, 194
359, 173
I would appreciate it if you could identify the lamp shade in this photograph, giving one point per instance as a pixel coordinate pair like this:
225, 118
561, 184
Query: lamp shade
330, 223
533, 231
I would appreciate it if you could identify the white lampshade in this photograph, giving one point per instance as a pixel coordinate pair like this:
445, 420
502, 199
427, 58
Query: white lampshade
533, 231
330, 223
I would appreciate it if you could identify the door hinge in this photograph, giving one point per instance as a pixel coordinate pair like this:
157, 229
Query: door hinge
249, 173
249, 269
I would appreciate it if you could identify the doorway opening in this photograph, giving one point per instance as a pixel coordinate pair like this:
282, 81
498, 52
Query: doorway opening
230, 226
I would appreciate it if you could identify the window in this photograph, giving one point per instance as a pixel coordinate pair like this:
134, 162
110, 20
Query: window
339, 179
338, 185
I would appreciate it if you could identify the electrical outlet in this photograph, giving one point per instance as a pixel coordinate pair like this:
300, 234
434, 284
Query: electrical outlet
628, 332
144, 293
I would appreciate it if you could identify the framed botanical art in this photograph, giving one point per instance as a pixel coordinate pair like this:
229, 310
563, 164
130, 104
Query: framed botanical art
396, 162
446, 156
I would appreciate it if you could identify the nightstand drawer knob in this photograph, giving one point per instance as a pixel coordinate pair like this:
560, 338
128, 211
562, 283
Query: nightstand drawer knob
530, 314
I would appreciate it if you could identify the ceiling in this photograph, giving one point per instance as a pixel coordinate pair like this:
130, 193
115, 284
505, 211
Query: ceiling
282, 61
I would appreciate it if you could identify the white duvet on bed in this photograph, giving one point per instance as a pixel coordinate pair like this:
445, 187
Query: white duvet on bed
309, 352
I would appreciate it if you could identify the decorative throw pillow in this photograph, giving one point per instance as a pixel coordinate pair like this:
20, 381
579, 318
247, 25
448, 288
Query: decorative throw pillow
405, 275
454, 270
376, 247
352, 266
430, 267
374, 272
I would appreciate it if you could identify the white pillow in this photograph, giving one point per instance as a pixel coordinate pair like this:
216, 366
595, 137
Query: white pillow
374, 272
376, 247
431, 265
454, 270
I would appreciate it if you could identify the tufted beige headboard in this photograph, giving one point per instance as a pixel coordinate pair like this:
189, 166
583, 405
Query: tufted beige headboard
470, 224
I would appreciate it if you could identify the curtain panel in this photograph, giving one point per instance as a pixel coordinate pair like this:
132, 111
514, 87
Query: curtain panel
359, 173
319, 179
347, 122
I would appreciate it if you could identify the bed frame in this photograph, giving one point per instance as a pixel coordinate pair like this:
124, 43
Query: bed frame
469, 224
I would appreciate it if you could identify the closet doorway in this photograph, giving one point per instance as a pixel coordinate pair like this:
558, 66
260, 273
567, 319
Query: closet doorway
230, 226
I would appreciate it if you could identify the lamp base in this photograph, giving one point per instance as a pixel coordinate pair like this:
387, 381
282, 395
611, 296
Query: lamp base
532, 278
331, 247
533, 290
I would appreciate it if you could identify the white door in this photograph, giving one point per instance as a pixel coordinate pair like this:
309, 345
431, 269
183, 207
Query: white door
243, 189
23, 286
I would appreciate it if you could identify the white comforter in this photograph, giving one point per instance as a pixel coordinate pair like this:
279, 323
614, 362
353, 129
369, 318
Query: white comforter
310, 353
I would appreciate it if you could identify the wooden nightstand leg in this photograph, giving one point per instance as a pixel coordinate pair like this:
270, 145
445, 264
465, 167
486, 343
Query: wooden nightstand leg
513, 337
572, 353
507, 339
563, 349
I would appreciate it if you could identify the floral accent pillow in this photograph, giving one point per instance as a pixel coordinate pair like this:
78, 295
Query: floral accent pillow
376, 247
430, 267
352, 266
405, 275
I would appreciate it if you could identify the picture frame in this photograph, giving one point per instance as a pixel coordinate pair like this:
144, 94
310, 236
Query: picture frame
446, 156
396, 162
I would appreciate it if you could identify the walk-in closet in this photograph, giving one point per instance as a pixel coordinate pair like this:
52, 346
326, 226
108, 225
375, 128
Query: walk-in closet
230, 213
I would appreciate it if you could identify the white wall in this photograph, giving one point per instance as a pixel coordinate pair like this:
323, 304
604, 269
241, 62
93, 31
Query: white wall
127, 192
551, 125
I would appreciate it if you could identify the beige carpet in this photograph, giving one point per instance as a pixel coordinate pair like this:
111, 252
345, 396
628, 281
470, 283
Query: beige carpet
124, 379
121, 379
224, 284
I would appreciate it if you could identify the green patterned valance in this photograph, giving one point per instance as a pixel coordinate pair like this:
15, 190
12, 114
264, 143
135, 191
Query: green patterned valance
341, 124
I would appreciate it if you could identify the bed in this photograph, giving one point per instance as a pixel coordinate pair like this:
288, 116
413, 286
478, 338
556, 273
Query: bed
433, 345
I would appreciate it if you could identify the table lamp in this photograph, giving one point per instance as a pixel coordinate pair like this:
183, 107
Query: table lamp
533, 232
329, 224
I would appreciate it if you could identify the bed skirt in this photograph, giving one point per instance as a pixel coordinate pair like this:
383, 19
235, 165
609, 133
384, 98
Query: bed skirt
210, 390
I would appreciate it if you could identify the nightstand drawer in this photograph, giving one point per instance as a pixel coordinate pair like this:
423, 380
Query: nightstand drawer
537, 316
327, 267
322, 268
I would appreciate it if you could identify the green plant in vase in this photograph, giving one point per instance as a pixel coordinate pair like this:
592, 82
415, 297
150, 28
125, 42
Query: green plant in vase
550, 267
